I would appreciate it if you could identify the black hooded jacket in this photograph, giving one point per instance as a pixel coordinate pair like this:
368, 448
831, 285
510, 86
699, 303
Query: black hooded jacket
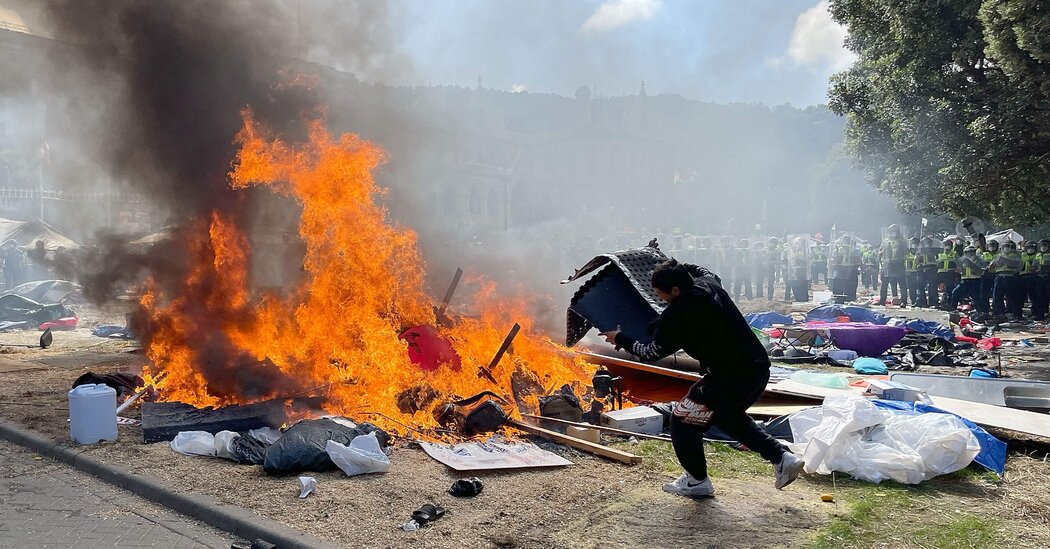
705, 323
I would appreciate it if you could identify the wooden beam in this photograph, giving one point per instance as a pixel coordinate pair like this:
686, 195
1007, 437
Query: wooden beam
589, 447
614, 361
602, 428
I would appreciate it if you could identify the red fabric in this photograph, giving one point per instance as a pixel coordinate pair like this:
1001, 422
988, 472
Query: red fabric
428, 349
990, 343
68, 323
966, 339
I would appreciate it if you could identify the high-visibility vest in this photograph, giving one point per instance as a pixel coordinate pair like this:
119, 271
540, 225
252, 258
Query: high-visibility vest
988, 258
928, 259
1028, 263
971, 268
911, 263
1008, 263
1044, 264
946, 262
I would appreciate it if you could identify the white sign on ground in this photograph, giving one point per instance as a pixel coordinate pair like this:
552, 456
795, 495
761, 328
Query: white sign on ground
475, 456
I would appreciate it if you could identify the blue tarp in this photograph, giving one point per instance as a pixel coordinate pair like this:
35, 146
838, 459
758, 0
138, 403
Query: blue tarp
930, 327
767, 319
993, 450
855, 314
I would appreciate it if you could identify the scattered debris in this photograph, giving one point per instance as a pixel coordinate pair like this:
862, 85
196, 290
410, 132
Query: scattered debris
306, 486
466, 487
426, 514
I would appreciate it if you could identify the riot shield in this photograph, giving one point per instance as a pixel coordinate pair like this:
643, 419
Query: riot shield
843, 253
798, 257
893, 250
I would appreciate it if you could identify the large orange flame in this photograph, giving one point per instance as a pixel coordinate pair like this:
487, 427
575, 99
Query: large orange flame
337, 333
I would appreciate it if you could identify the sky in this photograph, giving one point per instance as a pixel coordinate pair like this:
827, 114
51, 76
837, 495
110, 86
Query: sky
751, 51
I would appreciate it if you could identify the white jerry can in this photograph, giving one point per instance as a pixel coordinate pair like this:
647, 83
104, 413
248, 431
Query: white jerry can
92, 413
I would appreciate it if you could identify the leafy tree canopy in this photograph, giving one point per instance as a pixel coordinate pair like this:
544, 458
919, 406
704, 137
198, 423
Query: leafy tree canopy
948, 104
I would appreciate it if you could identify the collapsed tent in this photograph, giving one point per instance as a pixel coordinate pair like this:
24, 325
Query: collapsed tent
20, 313
27, 233
48, 291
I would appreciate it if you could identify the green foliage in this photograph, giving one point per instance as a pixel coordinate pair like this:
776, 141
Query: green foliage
948, 104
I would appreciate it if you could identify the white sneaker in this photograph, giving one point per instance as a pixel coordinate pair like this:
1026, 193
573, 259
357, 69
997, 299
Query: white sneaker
689, 487
788, 469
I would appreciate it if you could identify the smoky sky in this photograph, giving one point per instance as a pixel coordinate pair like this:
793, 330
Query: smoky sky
723, 51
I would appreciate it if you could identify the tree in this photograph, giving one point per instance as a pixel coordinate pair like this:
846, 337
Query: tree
948, 104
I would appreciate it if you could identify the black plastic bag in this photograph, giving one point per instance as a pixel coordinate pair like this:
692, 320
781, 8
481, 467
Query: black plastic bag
249, 449
301, 448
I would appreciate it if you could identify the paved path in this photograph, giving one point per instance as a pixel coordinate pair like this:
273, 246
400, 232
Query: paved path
45, 504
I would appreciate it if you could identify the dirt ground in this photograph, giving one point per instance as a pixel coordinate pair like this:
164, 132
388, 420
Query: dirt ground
594, 503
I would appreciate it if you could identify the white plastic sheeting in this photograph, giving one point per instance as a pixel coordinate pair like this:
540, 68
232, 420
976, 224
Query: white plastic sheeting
849, 434
363, 455
203, 443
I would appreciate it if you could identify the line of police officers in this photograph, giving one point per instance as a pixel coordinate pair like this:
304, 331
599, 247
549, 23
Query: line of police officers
997, 281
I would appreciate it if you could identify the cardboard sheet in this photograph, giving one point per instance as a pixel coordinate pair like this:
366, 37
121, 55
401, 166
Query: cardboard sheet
477, 456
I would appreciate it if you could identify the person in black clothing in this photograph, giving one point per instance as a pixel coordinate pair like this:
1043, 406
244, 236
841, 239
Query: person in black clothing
702, 320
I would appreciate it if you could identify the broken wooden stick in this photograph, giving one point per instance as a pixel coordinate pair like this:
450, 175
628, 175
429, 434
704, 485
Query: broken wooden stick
486, 372
602, 428
589, 447
450, 292
131, 400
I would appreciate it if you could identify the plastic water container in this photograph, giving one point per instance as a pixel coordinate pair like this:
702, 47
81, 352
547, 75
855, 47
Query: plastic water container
92, 413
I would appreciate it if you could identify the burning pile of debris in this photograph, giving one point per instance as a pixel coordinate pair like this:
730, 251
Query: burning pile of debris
359, 338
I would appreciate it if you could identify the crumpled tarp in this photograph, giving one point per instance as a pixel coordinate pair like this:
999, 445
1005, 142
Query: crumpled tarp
767, 319
20, 313
993, 450
929, 327
865, 338
856, 314
48, 291
112, 330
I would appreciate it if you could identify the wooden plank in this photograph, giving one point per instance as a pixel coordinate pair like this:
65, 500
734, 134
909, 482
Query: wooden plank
985, 415
614, 361
777, 410
590, 447
161, 421
602, 428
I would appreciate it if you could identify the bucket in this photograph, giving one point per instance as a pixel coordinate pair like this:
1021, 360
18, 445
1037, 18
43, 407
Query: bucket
92, 413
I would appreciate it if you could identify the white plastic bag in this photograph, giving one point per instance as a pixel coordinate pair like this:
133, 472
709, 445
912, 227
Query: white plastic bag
851, 435
363, 455
224, 445
306, 486
194, 443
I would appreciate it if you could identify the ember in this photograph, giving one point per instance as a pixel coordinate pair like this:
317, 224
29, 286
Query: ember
337, 333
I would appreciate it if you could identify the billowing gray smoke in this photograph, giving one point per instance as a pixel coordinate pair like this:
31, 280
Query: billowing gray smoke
168, 82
